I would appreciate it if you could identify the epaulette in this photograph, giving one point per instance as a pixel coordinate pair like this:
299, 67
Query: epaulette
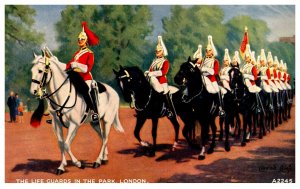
89, 50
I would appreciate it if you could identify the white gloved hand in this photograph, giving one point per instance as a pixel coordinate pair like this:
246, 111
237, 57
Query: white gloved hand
74, 65
150, 74
146, 73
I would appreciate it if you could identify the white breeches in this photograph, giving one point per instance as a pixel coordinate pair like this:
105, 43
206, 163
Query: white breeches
278, 85
252, 88
159, 87
273, 86
226, 84
211, 87
283, 86
288, 86
266, 87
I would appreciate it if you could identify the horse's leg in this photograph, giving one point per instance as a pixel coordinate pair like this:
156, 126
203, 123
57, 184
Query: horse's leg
176, 126
103, 155
214, 133
204, 137
227, 121
72, 130
245, 122
276, 104
139, 124
221, 121
59, 134
152, 150
99, 131
188, 128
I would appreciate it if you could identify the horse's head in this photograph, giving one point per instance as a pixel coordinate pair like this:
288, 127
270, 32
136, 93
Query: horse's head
41, 72
130, 80
188, 73
236, 82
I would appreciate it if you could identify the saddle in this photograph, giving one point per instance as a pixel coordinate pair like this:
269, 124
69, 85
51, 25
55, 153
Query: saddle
82, 88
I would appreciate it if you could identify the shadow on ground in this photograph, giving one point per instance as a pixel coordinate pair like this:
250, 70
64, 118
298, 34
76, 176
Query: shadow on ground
268, 163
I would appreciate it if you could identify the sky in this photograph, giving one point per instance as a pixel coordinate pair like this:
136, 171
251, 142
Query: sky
279, 18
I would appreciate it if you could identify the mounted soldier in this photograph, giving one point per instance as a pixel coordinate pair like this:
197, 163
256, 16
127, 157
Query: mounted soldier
82, 63
250, 72
210, 71
157, 75
264, 72
224, 75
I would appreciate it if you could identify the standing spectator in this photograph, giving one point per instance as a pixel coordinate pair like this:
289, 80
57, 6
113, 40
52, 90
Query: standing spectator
21, 110
28, 104
17, 103
11, 103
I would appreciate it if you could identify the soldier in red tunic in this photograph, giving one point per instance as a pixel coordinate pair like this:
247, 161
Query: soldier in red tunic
157, 75
82, 62
210, 71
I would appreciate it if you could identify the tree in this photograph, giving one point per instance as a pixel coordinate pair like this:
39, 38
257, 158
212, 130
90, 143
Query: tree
188, 27
20, 40
122, 31
257, 32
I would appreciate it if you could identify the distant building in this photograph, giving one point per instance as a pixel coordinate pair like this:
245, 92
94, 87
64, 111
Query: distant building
288, 39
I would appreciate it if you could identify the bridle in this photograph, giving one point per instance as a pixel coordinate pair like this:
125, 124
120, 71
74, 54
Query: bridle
132, 104
184, 97
42, 93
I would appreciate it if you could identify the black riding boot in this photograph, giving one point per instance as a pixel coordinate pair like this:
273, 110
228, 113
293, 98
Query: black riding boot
221, 107
95, 115
171, 112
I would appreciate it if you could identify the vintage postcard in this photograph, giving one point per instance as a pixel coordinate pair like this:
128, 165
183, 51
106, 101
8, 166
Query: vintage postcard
193, 93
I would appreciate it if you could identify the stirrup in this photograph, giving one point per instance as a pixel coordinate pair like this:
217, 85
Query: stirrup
49, 121
258, 109
222, 113
170, 114
95, 118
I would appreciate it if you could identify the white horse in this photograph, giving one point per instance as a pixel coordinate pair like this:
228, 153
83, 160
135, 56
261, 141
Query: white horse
48, 74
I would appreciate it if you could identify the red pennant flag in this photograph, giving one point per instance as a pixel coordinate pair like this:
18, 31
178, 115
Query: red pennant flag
244, 43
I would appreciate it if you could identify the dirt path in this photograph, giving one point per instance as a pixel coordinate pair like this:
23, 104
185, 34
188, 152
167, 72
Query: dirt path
32, 155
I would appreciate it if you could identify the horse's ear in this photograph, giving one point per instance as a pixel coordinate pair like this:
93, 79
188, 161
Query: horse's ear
189, 59
48, 53
121, 67
43, 52
34, 55
116, 72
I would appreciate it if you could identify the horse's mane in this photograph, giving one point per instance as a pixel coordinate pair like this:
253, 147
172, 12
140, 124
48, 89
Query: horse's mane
137, 72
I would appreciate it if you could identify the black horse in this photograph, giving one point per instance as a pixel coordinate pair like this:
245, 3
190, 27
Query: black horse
149, 104
205, 105
248, 104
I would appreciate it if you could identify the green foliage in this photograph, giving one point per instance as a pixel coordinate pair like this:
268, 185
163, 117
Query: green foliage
20, 41
122, 31
188, 27
257, 32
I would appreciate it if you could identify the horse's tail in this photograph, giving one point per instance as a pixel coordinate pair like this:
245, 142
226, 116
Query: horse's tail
117, 123
37, 115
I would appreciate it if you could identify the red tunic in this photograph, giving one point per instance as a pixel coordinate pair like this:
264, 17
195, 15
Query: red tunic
288, 78
164, 70
284, 77
254, 73
85, 57
268, 75
274, 74
213, 78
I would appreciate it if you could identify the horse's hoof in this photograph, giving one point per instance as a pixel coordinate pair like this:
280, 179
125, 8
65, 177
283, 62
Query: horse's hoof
220, 138
104, 162
201, 157
210, 150
227, 147
280, 122
151, 153
247, 140
82, 166
96, 165
243, 144
59, 172
260, 136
